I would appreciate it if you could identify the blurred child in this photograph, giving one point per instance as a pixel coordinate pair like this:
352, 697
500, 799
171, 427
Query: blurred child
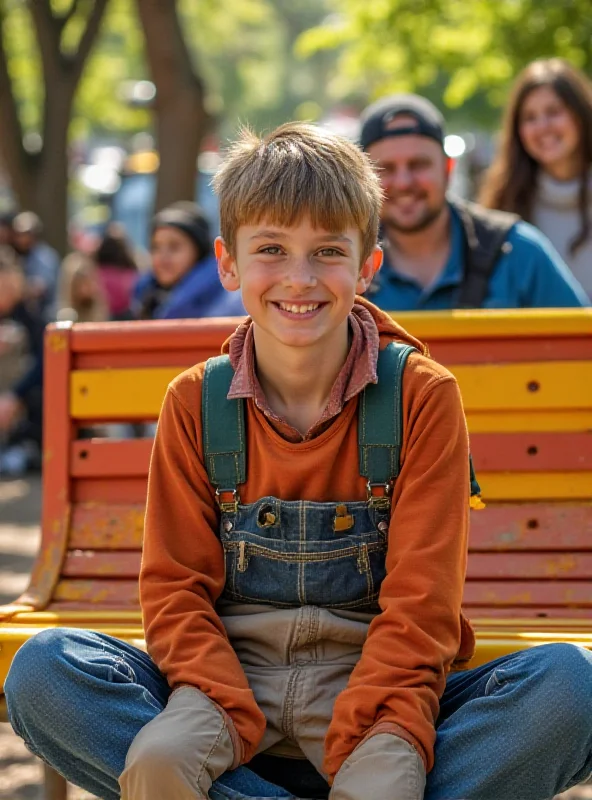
117, 271
184, 278
20, 403
82, 298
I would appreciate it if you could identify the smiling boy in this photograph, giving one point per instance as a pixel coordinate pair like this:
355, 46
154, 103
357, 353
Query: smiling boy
305, 550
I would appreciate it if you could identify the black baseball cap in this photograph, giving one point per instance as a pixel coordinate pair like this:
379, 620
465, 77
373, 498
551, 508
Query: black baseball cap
189, 218
377, 117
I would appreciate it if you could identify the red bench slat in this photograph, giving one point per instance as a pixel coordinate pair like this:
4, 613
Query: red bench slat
100, 565
529, 566
528, 593
532, 526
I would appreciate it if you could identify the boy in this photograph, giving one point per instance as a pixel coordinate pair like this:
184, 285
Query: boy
304, 608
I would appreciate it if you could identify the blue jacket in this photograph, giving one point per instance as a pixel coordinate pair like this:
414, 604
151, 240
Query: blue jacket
198, 294
528, 274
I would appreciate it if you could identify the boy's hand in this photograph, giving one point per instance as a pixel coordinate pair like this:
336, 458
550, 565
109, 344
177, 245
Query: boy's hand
384, 767
182, 751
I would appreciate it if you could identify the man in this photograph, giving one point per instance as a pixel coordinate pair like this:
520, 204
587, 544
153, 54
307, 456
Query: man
40, 262
442, 252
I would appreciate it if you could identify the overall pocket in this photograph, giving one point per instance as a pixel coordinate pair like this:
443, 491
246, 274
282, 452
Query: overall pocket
335, 572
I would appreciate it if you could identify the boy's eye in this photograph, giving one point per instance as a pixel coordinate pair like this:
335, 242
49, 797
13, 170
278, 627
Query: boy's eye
271, 249
329, 252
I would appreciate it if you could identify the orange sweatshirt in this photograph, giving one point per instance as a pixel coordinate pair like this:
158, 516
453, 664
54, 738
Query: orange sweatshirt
420, 631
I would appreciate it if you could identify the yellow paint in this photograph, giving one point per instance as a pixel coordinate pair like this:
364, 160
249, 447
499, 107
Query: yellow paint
494, 323
490, 644
535, 485
119, 393
562, 385
57, 341
529, 421
497, 387
61, 617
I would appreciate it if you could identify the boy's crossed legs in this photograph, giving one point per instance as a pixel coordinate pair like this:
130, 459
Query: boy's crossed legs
520, 727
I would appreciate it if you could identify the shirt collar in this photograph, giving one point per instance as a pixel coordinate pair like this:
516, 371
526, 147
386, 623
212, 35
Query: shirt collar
358, 370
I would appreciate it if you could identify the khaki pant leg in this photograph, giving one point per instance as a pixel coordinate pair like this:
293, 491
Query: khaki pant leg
384, 767
318, 687
180, 753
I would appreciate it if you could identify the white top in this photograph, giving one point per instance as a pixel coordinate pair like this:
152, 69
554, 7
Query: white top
555, 212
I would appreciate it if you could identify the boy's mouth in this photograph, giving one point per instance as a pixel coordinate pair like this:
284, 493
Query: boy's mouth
299, 310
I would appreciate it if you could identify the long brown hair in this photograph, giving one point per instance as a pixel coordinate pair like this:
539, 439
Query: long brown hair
509, 184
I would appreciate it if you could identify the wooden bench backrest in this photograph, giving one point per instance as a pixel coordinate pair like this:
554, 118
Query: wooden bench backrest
526, 381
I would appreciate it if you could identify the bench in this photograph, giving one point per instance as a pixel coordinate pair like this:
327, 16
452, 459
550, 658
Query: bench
526, 382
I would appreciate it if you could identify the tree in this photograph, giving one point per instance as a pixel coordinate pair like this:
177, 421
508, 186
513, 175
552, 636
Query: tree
39, 172
460, 49
180, 113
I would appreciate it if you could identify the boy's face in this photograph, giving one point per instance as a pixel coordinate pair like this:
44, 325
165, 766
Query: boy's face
297, 283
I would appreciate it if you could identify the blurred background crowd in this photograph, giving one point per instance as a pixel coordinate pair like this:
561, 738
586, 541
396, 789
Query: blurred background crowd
114, 116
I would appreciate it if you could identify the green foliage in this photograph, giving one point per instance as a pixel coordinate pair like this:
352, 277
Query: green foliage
117, 57
245, 51
470, 50
24, 64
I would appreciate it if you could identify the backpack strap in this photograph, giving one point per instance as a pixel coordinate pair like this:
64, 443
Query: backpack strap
485, 233
380, 422
223, 423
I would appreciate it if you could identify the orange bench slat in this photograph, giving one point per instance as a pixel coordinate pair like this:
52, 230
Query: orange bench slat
565, 594
525, 452
532, 526
481, 566
106, 526
530, 566
100, 565
108, 592
99, 458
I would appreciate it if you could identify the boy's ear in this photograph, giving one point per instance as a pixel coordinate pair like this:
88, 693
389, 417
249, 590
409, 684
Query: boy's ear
227, 269
369, 269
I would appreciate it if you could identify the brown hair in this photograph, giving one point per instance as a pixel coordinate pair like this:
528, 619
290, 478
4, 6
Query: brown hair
298, 170
509, 183
114, 249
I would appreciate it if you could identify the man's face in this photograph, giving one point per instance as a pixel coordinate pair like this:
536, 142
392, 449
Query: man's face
23, 242
413, 172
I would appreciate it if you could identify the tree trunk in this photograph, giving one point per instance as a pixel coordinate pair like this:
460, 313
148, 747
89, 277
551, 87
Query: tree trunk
40, 180
181, 118
51, 174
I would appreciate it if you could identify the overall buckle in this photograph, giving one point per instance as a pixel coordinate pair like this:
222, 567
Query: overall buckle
227, 506
379, 495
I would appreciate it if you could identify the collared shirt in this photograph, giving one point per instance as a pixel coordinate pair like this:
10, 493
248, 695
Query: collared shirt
358, 370
529, 274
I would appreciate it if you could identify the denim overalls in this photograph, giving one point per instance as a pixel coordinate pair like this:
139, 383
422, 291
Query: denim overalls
301, 553
302, 578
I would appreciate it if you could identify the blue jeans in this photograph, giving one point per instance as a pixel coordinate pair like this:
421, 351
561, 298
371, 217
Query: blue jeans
519, 728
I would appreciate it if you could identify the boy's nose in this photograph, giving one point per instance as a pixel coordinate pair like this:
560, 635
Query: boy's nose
299, 273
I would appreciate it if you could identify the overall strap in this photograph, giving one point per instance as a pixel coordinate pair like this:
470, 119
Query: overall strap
380, 419
223, 423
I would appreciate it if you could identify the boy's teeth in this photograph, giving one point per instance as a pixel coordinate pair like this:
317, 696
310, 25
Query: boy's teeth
294, 309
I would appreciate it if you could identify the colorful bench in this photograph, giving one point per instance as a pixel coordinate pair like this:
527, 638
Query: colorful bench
526, 381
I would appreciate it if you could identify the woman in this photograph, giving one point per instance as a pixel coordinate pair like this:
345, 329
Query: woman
184, 278
543, 169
